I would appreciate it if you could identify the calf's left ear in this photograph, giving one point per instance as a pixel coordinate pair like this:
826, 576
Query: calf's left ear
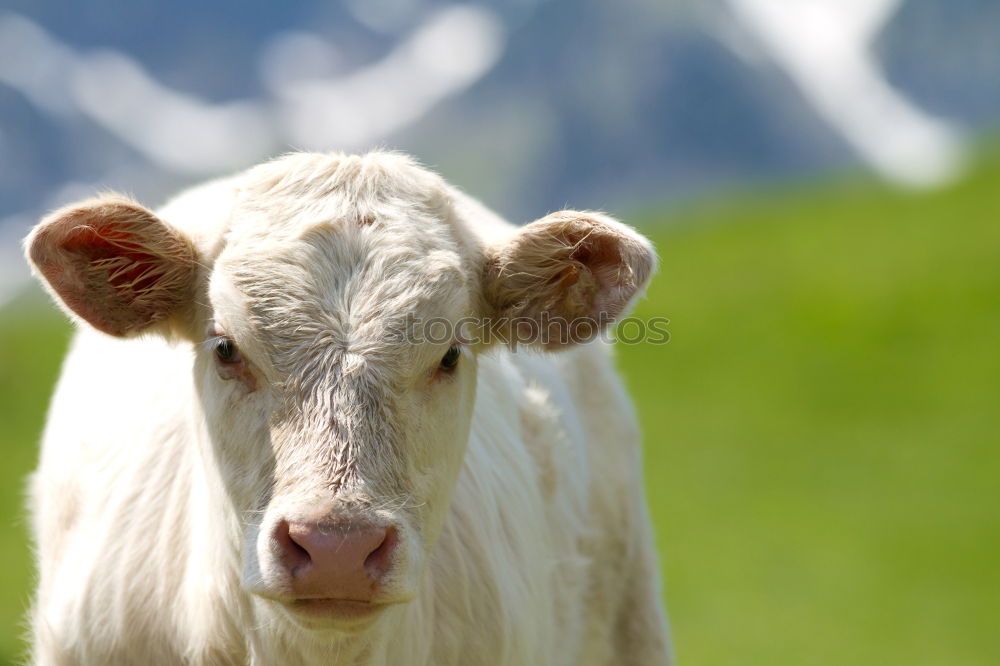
564, 278
114, 264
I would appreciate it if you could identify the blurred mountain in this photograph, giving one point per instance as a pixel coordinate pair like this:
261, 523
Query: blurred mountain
945, 55
610, 105
588, 103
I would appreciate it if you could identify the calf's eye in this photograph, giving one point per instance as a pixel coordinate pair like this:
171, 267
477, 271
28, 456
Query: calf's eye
226, 351
450, 359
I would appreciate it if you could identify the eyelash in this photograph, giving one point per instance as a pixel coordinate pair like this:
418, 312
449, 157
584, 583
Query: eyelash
233, 354
214, 340
455, 351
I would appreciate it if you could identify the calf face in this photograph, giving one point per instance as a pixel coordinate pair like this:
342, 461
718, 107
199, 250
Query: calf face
337, 419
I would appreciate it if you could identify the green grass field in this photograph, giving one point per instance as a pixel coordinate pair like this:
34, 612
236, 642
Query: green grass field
822, 429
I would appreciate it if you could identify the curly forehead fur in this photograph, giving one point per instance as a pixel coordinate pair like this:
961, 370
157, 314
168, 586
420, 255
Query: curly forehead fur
332, 249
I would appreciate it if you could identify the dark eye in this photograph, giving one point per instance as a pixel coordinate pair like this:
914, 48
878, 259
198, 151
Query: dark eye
226, 351
450, 359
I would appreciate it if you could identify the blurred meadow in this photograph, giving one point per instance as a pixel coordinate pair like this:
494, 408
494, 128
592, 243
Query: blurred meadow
821, 179
821, 429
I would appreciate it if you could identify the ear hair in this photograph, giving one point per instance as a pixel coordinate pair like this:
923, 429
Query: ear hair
565, 277
113, 263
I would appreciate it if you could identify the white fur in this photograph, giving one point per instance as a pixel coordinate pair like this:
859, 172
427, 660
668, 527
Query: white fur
515, 483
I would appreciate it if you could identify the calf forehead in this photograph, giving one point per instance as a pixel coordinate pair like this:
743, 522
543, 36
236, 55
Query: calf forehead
330, 297
331, 254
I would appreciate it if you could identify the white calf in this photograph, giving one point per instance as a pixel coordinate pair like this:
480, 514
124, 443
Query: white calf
302, 425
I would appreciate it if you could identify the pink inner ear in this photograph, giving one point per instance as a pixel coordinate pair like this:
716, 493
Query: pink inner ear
114, 264
110, 248
601, 255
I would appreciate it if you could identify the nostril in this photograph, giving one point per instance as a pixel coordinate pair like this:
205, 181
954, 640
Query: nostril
343, 559
294, 555
379, 560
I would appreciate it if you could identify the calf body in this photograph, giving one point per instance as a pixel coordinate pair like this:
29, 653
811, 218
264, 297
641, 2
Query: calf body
251, 460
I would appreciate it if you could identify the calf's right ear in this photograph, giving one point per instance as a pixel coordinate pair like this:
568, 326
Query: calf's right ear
114, 264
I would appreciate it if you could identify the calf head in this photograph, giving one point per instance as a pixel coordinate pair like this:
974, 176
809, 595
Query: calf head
336, 423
